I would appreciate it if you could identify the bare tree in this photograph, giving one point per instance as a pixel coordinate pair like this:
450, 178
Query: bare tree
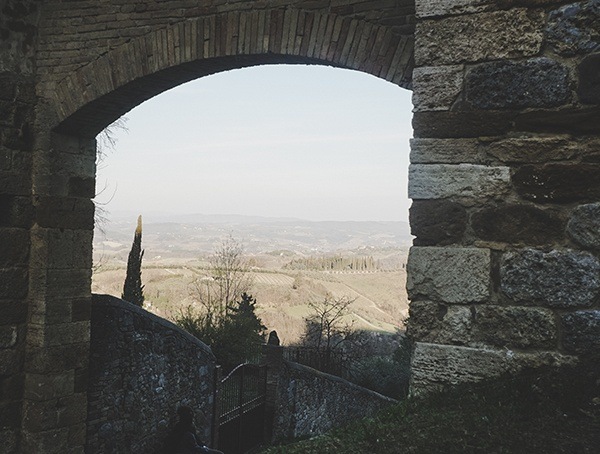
328, 326
228, 279
106, 141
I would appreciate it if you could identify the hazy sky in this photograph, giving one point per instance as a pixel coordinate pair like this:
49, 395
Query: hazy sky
310, 142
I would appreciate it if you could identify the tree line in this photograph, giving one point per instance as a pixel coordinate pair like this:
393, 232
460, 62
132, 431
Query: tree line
335, 263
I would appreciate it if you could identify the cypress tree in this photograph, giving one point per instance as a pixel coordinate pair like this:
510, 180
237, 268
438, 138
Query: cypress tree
133, 288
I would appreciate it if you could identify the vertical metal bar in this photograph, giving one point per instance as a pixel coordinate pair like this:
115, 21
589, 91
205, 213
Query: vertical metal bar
216, 407
241, 402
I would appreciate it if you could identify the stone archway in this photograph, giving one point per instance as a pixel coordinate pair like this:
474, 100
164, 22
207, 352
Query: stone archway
84, 90
97, 93
504, 173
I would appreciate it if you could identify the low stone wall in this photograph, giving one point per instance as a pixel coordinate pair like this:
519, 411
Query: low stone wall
142, 368
309, 402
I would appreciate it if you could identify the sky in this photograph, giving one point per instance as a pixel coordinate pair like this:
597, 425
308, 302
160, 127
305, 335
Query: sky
309, 142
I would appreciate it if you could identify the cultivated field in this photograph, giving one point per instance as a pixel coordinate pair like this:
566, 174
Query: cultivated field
293, 262
282, 295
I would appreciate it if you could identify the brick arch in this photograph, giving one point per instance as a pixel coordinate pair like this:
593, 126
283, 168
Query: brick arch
98, 93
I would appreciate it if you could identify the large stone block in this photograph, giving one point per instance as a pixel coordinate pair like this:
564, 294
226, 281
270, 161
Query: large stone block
15, 211
518, 224
435, 366
14, 247
538, 82
12, 386
437, 181
437, 222
73, 145
515, 327
61, 248
77, 436
514, 33
8, 336
49, 311
41, 415
5, 159
57, 359
67, 333
440, 323
48, 441
445, 151
579, 120
49, 386
60, 284
573, 28
558, 183
589, 79
14, 183
65, 213
81, 309
483, 326
533, 149
13, 311
9, 438
452, 275
436, 87
432, 8
554, 279
13, 283
11, 361
82, 187
584, 225
461, 124
581, 332
8, 411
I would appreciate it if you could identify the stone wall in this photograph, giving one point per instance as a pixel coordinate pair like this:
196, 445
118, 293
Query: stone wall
305, 402
142, 368
505, 272
18, 33
118, 56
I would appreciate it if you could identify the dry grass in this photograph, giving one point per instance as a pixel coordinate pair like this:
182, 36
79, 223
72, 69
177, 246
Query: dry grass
381, 303
548, 411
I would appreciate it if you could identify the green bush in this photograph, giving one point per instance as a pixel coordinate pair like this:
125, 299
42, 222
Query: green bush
382, 374
388, 375
232, 338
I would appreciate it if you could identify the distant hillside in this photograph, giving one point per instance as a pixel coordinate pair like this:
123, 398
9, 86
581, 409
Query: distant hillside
193, 235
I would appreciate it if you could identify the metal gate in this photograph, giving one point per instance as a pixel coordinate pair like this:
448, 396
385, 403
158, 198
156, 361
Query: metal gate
240, 401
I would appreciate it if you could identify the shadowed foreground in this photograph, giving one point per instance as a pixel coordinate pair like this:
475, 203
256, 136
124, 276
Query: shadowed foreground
546, 411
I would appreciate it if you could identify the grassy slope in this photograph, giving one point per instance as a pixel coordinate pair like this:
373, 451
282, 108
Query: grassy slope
551, 412
282, 296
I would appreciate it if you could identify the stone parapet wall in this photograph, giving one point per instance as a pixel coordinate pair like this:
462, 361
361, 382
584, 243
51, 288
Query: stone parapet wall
505, 271
142, 368
307, 402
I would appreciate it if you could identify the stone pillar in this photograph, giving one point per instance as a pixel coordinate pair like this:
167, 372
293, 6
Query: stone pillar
18, 34
16, 120
273, 358
504, 271
58, 330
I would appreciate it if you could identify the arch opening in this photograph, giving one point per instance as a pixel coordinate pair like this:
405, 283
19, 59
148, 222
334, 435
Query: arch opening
312, 166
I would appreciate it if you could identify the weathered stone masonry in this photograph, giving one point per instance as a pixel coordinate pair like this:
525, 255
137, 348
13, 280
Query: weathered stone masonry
504, 172
505, 180
142, 368
303, 402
